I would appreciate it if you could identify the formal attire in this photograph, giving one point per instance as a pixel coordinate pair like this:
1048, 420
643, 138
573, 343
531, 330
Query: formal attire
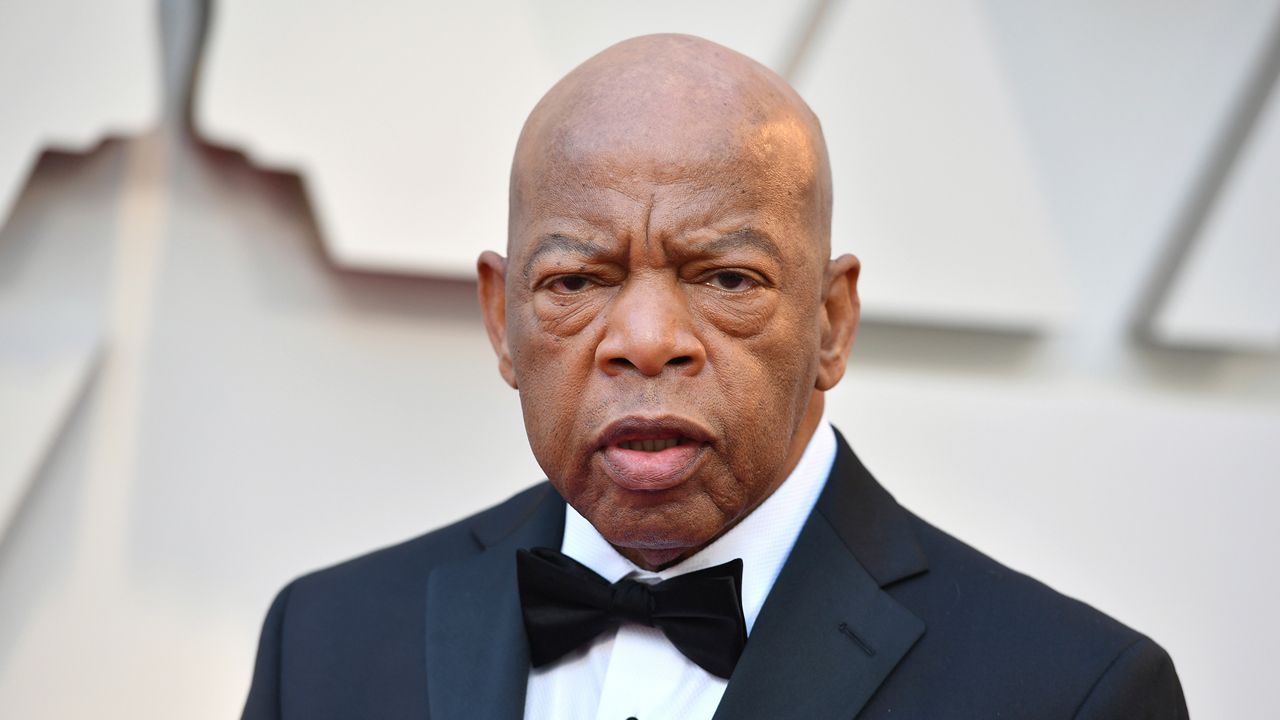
855, 607
636, 671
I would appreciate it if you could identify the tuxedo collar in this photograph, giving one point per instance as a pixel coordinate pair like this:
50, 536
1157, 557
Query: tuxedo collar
827, 636
870, 523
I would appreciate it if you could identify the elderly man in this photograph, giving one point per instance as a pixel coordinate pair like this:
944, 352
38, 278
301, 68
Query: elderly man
707, 544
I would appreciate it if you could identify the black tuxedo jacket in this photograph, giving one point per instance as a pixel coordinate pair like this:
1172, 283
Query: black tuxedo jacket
876, 614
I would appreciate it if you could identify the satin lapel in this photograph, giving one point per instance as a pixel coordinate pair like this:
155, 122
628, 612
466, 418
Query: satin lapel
477, 654
828, 635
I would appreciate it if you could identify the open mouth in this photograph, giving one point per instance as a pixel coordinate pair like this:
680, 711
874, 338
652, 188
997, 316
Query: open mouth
650, 454
653, 445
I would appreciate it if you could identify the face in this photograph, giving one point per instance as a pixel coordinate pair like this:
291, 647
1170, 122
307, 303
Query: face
670, 322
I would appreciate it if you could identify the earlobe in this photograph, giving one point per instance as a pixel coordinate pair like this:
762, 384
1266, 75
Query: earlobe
840, 313
491, 269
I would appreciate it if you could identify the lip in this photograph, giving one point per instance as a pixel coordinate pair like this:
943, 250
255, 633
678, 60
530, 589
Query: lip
651, 471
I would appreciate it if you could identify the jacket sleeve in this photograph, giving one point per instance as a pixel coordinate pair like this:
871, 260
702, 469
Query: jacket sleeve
264, 694
1140, 684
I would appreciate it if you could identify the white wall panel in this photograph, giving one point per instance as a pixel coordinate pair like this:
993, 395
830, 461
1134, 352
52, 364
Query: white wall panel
935, 185
1125, 105
71, 72
39, 384
403, 116
1226, 292
56, 251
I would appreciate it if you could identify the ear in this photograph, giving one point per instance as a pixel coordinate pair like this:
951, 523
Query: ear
839, 314
492, 269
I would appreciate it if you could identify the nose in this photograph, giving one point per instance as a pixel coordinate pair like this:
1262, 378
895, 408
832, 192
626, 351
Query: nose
649, 328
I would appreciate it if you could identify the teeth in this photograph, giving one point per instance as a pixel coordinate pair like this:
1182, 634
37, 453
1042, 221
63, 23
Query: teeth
650, 445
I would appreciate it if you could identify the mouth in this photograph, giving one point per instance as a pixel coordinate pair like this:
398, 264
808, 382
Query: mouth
652, 454
653, 445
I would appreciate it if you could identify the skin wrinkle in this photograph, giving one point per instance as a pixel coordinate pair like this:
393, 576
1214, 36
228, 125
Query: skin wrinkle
639, 181
556, 241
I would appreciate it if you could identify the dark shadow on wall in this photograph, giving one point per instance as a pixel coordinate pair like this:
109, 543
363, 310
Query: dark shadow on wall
59, 179
186, 26
229, 177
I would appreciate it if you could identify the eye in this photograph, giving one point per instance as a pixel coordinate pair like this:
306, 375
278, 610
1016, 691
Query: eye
731, 281
570, 284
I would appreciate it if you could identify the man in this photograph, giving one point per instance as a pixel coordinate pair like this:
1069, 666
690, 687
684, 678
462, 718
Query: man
671, 317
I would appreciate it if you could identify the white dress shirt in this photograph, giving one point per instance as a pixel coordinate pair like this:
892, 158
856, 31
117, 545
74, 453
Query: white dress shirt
636, 672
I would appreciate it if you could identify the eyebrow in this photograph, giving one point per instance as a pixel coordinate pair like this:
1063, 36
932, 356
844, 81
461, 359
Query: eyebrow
746, 237
556, 242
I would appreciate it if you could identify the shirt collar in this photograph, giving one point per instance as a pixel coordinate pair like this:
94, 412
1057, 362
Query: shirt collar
763, 539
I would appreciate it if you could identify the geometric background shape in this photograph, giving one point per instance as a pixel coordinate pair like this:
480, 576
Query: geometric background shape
1226, 291
39, 387
72, 72
56, 256
936, 188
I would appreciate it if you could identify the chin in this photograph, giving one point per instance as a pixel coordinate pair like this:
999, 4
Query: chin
651, 549
670, 522
654, 535
657, 559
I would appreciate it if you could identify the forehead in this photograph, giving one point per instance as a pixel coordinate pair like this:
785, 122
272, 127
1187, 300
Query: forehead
665, 176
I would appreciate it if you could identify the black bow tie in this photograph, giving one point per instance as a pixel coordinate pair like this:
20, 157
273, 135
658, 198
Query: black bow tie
566, 605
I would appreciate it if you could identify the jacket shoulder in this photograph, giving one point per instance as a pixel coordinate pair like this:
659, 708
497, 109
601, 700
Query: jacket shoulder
348, 640
1002, 642
990, 593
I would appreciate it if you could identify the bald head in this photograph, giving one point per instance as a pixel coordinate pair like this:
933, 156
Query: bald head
662, 105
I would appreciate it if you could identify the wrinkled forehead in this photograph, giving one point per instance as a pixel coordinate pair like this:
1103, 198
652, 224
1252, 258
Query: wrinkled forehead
699, 158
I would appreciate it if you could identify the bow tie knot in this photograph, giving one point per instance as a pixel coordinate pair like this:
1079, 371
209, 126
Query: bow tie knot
566, 606
633, 601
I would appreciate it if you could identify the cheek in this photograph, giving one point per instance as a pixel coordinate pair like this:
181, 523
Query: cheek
758, 341
551, 368
553, 346
738, 316
765, 374
565, 316
764, 386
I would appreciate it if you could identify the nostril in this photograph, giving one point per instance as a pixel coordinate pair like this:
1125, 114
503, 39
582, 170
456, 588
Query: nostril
682, 360
621, 362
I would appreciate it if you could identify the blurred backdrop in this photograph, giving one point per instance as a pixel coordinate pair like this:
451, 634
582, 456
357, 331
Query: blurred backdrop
239, 340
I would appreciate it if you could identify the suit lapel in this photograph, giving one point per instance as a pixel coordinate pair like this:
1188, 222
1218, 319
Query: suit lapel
828, 635
477, 654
